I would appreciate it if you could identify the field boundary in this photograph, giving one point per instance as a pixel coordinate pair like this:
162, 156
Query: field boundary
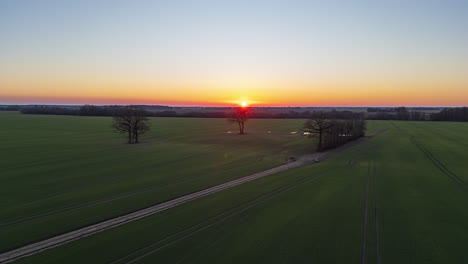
65, 238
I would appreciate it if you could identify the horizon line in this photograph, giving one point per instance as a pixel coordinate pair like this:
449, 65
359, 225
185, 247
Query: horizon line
230, 106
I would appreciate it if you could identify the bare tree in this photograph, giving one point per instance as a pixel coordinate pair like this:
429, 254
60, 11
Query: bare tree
317, 126
131, 121
140, 124
122, 122
240, 116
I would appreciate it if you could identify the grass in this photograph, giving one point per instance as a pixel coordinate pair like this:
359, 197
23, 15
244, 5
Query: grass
416, 211
262, 194
63, 172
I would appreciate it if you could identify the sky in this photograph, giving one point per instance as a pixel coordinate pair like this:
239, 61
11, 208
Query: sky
216, 53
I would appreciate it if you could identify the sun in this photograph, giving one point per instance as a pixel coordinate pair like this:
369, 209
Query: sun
243, 103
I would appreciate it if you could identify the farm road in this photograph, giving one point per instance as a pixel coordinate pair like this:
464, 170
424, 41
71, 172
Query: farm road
62, 239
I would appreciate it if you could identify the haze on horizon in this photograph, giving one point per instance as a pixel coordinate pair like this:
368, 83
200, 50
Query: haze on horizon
279, 53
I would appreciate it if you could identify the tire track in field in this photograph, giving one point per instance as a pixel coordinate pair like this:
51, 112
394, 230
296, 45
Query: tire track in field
76, 188
113, 180
228, 213
439, 164
366, 210
371, 183
123, 219
91, 203
192, 230
247, 205
376, 218
455, 178
118, 196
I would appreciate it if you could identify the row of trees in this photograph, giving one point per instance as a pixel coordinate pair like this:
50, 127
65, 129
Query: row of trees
459, 114
49, 110
86, 110
399, 113
92, 110
394, 109
334, 132
10, 108
451, 114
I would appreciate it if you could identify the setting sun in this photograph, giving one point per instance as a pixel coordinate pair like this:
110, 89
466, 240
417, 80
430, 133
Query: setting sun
244, 104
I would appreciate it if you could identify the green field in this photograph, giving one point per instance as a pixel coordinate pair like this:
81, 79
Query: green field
410, 182
63, 172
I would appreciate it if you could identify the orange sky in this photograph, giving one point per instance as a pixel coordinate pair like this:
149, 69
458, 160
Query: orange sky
350, 93
216, 53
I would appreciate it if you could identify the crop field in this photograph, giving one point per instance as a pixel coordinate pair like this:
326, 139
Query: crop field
63, 172
399, 197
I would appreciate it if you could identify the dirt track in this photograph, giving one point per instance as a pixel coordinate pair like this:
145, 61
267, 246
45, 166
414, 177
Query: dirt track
121, 220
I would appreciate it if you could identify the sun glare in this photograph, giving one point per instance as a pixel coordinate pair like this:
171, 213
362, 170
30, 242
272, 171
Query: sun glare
244, 104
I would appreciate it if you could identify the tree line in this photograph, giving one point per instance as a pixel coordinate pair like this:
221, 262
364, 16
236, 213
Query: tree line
331, 132
10, 108
92, 110
49, 110
398, 113
451, 114
459, 114
86, 110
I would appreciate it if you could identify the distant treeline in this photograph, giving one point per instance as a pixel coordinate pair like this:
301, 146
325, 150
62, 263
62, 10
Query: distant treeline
397, 113
261, 114
91, 110
10, 108
402, 113
333, 114
87, 110
395, 109
376, 109
451, 114
48, 110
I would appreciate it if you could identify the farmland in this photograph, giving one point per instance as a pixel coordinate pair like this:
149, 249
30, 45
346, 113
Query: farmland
60, 173
400, 197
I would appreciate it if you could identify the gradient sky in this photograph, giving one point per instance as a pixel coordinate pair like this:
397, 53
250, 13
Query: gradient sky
281, 53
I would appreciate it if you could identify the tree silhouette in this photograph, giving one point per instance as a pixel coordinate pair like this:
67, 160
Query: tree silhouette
332, 132
131, 121
317, 126
240, 116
